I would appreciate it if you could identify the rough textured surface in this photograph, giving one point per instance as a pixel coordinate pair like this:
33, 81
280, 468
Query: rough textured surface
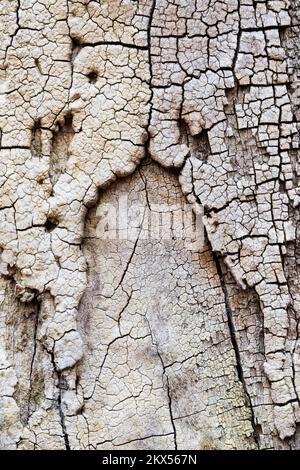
141, 341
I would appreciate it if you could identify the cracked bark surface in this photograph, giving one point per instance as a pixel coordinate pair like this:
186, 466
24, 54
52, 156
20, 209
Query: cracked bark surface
142, 343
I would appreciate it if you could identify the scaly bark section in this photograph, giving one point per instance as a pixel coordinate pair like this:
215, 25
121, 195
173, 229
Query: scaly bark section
87, 90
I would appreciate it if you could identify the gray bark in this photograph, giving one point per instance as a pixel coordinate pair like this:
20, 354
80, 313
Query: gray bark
175, 324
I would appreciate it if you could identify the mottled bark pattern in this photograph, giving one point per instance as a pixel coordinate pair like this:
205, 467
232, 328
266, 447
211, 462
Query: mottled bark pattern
142, 343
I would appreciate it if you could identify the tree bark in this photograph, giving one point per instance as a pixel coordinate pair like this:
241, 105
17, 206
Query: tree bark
149, 224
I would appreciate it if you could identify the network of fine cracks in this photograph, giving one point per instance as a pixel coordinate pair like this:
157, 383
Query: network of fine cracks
90, 92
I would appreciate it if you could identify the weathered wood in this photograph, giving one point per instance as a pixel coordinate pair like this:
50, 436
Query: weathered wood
149, 224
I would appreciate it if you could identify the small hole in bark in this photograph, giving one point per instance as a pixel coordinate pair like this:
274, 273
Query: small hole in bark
40, 180
69, 120
92, 76
75, 42
183, 131
282, 187
36, 139
76, 46
50, 225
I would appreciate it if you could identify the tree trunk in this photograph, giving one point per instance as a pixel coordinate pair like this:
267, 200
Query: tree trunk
149, 199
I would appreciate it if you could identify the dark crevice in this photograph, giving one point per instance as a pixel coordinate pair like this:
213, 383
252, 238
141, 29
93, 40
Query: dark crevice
103, 362
129, 297
166, 381
114, 43
36, 139
293, 400
235, 346
38, 65
50, 225
278, 27
170, 406
144, 180
37, 311
76, 46
230, 317
147, 142
62, 420
16, 30
61, 386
